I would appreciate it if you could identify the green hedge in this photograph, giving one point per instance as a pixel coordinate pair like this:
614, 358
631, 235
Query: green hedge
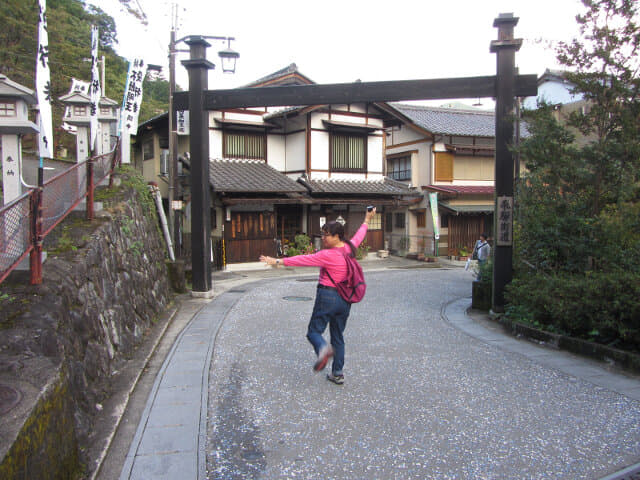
603, 307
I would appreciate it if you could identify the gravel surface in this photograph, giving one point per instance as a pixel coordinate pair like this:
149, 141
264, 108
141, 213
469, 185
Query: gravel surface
421, 400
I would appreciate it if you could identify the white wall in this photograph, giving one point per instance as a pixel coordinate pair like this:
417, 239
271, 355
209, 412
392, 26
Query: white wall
296, 152
276, 152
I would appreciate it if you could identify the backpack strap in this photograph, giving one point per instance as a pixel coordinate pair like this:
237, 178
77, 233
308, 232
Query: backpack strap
327, 271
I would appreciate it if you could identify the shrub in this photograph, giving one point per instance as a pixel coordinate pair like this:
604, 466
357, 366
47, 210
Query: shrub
301, 246
600, 306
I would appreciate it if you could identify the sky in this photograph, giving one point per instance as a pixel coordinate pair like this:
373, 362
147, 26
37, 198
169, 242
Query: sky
340, 41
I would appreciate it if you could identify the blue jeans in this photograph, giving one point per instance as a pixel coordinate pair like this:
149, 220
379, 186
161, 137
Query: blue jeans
331, 309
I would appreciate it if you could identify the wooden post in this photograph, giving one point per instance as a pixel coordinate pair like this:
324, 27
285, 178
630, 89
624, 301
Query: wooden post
198, 67
505, 48
90, 188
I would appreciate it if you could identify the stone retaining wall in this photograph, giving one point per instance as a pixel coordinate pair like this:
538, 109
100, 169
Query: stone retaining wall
64, 339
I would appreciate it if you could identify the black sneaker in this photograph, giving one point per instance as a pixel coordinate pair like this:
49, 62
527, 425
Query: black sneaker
337, 379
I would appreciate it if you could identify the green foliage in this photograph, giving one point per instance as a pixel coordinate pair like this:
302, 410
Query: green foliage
132, 179
302, 246
577, 229
69, 28
580, 305
484, 271
362, 251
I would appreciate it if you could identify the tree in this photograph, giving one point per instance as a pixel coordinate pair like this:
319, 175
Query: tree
578, 218
69, 23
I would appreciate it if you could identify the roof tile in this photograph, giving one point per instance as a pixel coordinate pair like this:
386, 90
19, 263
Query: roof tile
228, 175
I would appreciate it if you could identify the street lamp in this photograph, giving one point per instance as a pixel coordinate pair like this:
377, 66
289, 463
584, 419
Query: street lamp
228, 58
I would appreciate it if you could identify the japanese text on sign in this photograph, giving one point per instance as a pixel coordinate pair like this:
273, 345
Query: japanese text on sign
133, 97
504, 221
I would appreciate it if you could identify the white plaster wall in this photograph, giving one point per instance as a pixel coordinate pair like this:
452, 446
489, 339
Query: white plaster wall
295, 152
552, 92
375, 155
276, 151
215, 144
319, 152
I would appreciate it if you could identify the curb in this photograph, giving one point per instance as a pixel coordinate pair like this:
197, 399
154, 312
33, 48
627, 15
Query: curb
122, 406
622, 359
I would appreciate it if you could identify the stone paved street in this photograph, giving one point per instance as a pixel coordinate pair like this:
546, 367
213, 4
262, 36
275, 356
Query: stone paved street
421, 400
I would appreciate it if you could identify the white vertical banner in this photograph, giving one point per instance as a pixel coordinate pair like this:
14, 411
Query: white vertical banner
95, 92
433, 201
131, 106
43, 86
132, 97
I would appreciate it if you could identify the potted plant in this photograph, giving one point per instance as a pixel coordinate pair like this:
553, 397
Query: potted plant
463, 253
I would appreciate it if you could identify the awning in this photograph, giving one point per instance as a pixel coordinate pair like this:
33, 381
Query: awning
466, 209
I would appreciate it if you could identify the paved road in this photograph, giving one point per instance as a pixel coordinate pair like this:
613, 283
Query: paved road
422, 399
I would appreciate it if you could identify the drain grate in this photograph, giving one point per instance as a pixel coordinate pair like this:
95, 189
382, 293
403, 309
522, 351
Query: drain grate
307, 279
237, 290
298, 299
9, 398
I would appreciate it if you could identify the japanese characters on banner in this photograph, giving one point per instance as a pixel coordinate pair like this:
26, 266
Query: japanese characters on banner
132, 97
43, 86
95, 92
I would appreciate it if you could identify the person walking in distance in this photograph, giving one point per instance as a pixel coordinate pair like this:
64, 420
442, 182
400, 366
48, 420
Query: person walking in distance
329, 308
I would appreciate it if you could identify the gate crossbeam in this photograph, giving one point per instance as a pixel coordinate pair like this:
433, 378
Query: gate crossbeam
339, 93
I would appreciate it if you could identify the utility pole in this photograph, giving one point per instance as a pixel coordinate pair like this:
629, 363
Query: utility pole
173, 143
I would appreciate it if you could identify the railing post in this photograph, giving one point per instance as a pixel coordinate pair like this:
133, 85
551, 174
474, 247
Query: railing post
90, 189
35, 258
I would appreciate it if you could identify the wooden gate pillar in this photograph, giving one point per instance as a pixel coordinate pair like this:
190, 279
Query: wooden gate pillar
505, 47
198, 67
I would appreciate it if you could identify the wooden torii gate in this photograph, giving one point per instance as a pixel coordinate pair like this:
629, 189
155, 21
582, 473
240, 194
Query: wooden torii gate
504, 87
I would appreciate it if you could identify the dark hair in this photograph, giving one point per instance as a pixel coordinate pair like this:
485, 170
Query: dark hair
336, 228
484, 235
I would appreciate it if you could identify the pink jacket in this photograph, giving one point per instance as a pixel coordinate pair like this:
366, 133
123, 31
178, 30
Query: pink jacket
331, 259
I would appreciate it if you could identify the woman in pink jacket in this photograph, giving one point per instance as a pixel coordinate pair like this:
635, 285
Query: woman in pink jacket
329, 308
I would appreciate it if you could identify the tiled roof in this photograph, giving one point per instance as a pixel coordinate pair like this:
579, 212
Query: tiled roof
289, 75
450, 121
249, 176
386, 186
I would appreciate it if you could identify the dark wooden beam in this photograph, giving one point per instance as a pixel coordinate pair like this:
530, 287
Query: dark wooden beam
339, 93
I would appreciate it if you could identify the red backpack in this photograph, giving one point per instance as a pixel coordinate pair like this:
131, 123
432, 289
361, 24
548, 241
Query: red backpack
353, 287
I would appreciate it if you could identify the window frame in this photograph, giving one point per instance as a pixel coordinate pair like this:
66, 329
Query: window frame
79, 110
147, 148
399, 220
392, 160
348, 135
246, 134
7, 107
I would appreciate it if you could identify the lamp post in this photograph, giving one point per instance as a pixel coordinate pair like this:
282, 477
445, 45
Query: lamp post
197, 66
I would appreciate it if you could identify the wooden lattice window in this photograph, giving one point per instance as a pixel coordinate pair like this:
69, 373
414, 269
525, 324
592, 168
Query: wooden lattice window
348, 152
443, 167
246, 145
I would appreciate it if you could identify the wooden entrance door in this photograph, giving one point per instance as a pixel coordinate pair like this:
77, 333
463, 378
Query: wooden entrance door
249, 235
